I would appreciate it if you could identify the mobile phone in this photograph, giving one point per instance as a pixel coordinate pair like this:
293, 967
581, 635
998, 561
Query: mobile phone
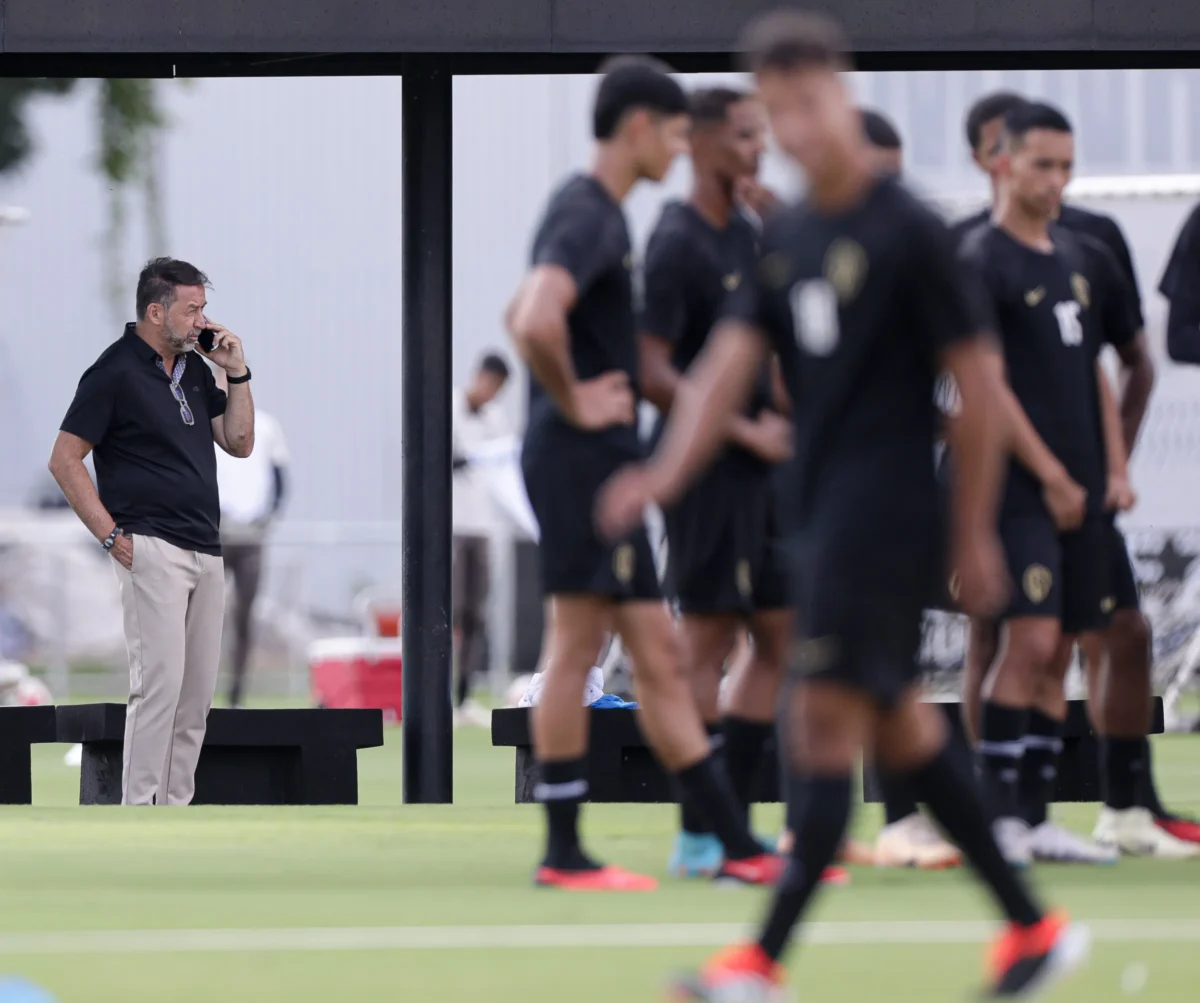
205, 341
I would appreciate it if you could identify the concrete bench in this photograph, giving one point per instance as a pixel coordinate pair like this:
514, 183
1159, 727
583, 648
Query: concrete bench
249, 756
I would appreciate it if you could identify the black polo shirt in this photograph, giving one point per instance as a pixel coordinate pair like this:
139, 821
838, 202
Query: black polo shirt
157, 475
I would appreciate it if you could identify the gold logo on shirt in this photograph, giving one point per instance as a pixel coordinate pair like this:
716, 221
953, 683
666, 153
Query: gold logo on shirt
623, 562
1035, 296
1081, 289
744, 584
732, 281
952, 587
1108, 604
845, 268
1037, 582
815, 654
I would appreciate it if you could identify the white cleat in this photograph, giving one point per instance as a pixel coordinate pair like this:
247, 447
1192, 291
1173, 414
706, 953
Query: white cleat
1014, 839
1052, 844
915, 842
1134, 833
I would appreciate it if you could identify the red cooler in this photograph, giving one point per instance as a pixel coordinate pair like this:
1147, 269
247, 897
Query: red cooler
357, 672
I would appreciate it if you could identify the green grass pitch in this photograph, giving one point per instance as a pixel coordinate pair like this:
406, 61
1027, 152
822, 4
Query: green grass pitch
387, 902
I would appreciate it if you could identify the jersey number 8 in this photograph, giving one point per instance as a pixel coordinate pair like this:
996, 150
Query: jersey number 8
1067, 315
815, 316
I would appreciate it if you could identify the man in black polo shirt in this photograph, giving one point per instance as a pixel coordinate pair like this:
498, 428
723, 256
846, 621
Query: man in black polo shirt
151, 412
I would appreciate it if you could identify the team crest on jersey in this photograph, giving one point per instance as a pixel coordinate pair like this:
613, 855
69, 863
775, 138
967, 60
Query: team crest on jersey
1036, 582
1108, 604
815, 654
774, 270
1081, 289
732, 281
623, 563
743, 578
845, 268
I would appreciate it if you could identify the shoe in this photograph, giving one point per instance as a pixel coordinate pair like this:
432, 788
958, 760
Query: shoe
765, 869
1013, 837
1052, 844
473, 715
1185, 829
914, 842
1027, 960
855, 851
1135, 832
600, 879
742, 974
695, 855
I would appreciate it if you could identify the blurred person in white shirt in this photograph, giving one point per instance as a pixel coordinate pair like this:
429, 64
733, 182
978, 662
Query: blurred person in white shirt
475, 420
252, 493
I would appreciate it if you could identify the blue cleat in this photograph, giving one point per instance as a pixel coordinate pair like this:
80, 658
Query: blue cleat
695, 855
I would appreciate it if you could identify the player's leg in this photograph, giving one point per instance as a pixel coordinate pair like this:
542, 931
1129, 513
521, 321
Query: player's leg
672, 726
983, 644
1029, 640
912, 742
1086, 598
707, 643
1120, 702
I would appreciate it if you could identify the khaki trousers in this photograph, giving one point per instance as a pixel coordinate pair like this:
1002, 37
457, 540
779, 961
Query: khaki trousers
174, 606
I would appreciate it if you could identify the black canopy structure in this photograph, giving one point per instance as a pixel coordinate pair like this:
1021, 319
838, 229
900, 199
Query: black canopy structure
428, 42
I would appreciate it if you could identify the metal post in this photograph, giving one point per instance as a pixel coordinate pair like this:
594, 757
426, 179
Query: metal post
425, 435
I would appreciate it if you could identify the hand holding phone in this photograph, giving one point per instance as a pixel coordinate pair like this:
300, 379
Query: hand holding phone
207, 339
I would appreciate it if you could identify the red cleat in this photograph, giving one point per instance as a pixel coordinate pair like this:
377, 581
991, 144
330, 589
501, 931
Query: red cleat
835, 876
1181, 828
743, 974
1026, 960
602, 879
765, 869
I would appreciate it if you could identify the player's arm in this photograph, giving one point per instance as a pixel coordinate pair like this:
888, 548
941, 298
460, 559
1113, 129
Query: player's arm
663, 315
1123, 328
707, 402
1118, 493
537, 322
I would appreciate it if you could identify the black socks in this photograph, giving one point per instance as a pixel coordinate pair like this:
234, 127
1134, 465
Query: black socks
1000, 751
819, 807
898, 800
1123, 770
706, 786
691, 818
563, 785
951, 795
1039, 767
744, 742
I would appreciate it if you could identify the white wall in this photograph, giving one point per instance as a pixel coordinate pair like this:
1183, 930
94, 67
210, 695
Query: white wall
287, 193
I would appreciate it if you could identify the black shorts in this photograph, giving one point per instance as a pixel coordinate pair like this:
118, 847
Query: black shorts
1124, 583
1066, 576
563, 471
723, 545
860, 611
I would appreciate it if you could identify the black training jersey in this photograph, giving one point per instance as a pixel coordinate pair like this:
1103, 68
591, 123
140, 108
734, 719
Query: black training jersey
584, 231
859, 306
1054, 311
1179, 279
1107, 231
691, 267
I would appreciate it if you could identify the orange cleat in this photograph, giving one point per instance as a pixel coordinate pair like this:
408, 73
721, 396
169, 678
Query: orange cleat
741, 974
1185, 829
835, 876
1027, 960
765, 869
602, 879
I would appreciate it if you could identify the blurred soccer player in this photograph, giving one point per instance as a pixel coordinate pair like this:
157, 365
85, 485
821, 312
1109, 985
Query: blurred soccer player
572, 320
1118, 659
859, 293
723, 562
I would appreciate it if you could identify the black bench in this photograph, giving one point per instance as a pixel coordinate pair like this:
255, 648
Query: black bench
249, 756
20, 728
622, 769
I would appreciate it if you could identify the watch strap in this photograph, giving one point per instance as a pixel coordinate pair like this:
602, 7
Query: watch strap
244, 378
112, 538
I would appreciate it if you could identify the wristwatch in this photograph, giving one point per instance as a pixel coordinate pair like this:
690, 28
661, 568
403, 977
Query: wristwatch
244, 378
112, 538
